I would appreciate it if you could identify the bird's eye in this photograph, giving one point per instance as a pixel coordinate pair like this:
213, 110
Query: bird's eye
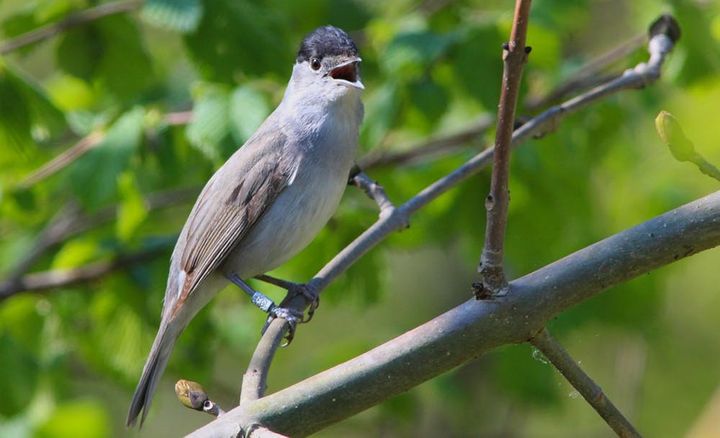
315, 63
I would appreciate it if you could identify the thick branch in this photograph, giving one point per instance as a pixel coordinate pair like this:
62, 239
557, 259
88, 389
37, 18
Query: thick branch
496, 204
590, 391
475, 327
72, 20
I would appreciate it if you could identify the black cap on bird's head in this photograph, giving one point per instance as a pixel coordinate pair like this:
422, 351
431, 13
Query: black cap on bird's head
331, 52
324, 42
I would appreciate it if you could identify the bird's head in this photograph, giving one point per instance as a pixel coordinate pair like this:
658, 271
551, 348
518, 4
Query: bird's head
327, 65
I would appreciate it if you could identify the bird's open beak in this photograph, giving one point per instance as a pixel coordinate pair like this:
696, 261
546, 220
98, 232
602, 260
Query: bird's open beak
348, 73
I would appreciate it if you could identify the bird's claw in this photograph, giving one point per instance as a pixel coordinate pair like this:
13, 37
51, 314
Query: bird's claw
311, 294
293, 318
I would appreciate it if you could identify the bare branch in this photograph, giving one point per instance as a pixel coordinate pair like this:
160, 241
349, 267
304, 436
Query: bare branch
588, 75
433, 147
590, 391
72, 20
68, 156
641, 75
475, 327
375, 192
40, 281
254, 381
70, 222
493, 281
83, 146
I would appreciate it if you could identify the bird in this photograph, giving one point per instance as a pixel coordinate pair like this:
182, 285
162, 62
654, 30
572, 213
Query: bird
270, 198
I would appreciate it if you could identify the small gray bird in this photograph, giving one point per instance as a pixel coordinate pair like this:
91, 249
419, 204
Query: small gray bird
271, 198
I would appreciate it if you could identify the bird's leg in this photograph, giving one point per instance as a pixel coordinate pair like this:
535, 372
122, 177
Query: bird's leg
311, 294
267, 305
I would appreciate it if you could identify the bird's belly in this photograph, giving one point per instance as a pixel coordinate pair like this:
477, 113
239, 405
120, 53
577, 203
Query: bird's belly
289, 225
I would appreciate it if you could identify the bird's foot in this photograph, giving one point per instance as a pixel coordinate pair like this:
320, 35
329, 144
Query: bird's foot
311, 294
291, 316
307, 290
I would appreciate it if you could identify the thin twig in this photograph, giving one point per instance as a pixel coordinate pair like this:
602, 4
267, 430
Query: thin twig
40, 281
493, 281
590, 74
70, 222
375, 192
475, 327
433, 147
643, 74
590, 391
68, 156
83, 146
72, 20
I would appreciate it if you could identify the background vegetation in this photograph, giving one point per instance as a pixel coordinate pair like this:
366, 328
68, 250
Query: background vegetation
70, 356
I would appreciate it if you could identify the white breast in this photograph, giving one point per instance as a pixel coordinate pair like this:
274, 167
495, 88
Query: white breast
302, 209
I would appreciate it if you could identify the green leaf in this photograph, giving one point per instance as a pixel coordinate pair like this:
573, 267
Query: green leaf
21, 319
239, 37
429, 103
248, 109
132, 210
478, 64
26, 113
79, 51
180, 15
15, 120
20, 376
76, 253
125, 67
79, 418
94, 176
109, 51
381, 110
210, 123
409, 53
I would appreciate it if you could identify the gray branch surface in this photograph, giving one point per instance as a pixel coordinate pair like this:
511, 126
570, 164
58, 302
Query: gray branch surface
474, 327
590, 390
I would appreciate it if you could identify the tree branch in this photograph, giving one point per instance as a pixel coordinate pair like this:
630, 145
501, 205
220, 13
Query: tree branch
72, 20
433, 147
40, 281
70, 222
475, 327
660, 45
83, 146
641, 75
254, 381
375, 192
493, 281
590, 391
588, 75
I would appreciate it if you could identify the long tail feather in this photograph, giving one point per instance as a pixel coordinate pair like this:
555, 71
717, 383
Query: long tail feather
154, 367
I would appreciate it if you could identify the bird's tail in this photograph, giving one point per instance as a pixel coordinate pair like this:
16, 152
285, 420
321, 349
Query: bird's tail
154, 367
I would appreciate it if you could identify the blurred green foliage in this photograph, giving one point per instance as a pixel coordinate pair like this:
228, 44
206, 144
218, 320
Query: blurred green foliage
70, 357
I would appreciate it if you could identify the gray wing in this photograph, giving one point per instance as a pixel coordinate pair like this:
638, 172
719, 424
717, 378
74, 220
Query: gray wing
229, 205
